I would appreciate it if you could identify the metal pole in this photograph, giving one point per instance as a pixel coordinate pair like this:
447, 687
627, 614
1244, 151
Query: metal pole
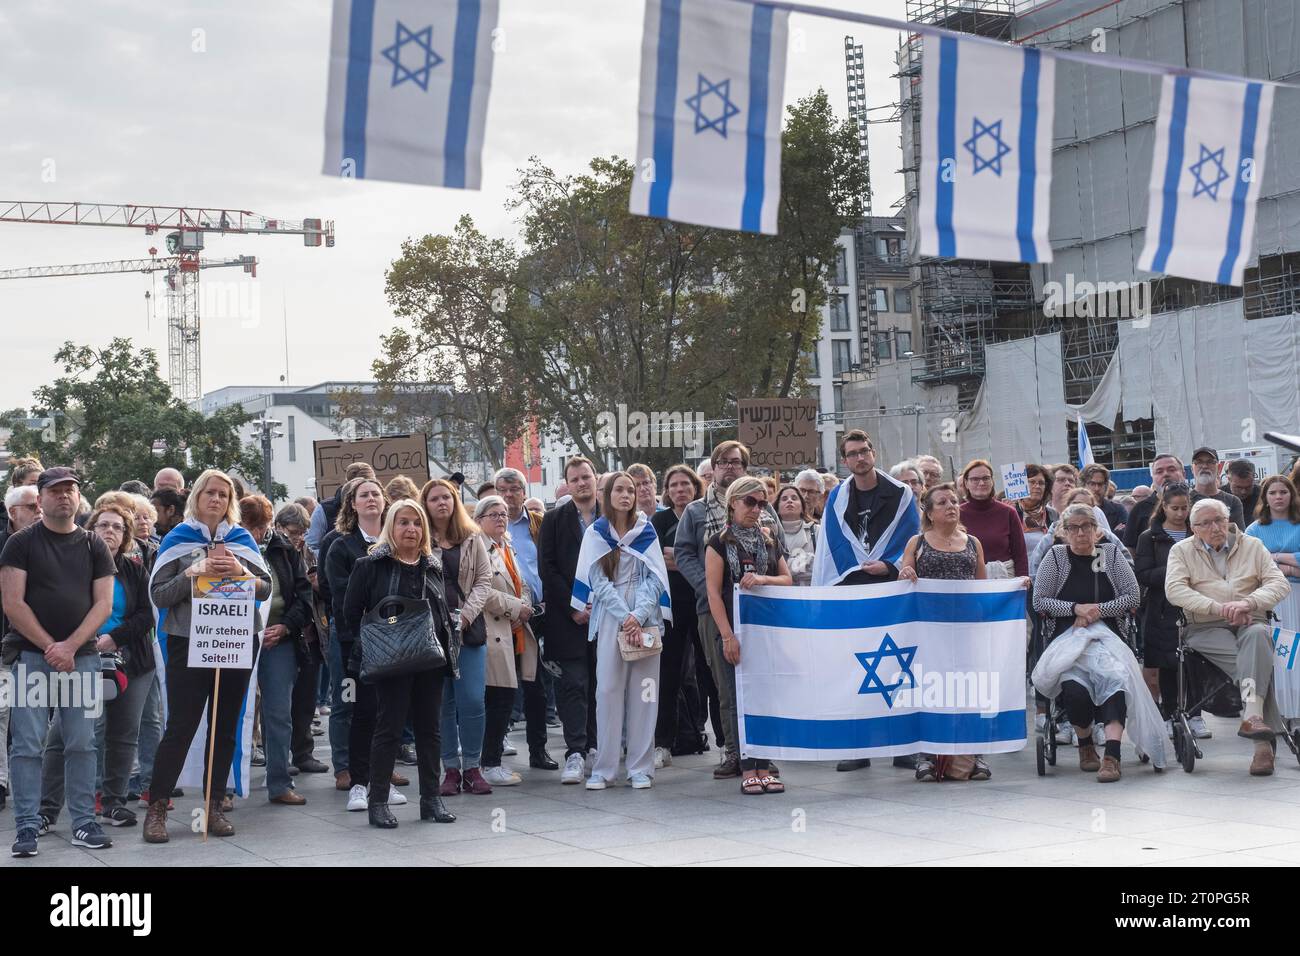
266, 458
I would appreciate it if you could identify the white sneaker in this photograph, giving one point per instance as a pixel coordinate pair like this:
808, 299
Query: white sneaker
641, 781
1065, 733
1169, 729
596, 783
508, 749
501, 777
395, 797
663, 758
1199, 730
1099, 735
573, 769
357, 797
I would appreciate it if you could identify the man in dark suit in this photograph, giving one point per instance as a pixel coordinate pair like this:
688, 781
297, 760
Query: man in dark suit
566, 628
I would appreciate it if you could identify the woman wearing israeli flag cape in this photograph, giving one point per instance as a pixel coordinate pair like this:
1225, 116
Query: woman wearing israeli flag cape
621, 571
208, 541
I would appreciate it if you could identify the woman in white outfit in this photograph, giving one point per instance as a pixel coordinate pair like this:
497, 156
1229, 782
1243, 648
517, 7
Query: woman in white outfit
621, 564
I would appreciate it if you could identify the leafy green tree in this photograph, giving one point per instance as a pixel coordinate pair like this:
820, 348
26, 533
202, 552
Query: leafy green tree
114, 419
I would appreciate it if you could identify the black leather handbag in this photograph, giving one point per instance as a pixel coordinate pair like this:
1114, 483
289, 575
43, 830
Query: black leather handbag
399, 637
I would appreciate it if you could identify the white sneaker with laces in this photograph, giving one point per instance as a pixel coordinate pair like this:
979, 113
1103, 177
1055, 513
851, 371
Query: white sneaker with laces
596, 783
1199, 730
501, 777
357, 797
573, 769
508, 749
641, 781
663, 758
395, 797
1065, 733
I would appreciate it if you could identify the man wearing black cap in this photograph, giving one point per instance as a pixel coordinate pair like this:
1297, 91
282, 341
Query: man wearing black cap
1205, 484
57, 586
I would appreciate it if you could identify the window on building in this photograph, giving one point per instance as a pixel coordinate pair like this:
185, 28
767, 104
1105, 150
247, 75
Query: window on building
841, 266
902, 300
883, 353
814, 371
841, 355
839, 313
904, 340
880, 299
839, 400
293, 440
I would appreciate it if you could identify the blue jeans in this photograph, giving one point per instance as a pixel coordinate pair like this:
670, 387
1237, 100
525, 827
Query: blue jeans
463, 711
29, 726
277, 669
151, 731
340, 711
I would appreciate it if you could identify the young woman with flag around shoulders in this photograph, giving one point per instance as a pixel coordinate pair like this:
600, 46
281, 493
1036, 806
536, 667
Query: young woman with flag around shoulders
621, 569
209, 541
743, 554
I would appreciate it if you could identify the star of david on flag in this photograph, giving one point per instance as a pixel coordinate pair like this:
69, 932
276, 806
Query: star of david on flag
408, 90
986, 150
1208, 163
871, 661
709, 128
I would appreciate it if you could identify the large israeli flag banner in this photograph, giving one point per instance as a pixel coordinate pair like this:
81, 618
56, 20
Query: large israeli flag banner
408, 90
1208, 163
881, 670
986, 150
709, 135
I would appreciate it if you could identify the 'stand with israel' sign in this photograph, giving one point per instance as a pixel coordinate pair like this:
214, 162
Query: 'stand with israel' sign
834, 673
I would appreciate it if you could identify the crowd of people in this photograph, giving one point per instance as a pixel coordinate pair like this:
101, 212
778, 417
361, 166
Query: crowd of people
510, 613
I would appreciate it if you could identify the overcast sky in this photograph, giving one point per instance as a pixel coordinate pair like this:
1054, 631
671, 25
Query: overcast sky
111, 98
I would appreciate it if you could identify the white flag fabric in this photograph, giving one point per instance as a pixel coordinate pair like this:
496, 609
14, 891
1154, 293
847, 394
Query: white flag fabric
1085, 446
877, 670
1207, 166
408, 90
986, 151
709, 134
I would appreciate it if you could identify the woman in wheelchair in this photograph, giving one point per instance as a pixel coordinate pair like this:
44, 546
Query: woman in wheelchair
1227, 583
1080, 583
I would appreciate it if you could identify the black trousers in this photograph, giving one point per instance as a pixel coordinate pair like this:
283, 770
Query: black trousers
534, 708
575, 699
303, 709
189, 697
361, 732
1083, 712
420, 696
678, 638
499, 701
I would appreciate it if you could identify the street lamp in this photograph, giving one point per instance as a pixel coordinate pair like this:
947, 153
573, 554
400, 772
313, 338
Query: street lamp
266, 429
917, 410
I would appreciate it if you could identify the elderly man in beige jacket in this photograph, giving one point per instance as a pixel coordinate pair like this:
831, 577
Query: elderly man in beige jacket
1226, 583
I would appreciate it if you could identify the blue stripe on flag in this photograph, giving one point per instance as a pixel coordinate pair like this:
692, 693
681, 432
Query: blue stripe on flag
947, 126
1028, 155
1241, 187
1173, 170
462, 92
853, 733
1295, 643
581, 591
670, 25
760, 56
857, 613
361, 27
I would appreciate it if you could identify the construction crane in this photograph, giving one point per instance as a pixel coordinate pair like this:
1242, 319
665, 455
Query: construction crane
190, 225
153, 264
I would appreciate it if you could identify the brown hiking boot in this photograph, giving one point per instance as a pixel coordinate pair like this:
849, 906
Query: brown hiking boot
155, 822
1109, 771
1089, 762
218, 825
1262, 764
729, 767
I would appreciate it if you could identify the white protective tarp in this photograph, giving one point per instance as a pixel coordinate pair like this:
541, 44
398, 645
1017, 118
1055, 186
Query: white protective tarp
1026, 374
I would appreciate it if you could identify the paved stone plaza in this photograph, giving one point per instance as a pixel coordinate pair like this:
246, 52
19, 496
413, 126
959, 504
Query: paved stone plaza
877, 817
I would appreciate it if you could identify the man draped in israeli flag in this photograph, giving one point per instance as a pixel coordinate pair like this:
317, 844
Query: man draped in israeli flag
408, 90
185, 539
986, 150
709, 134
640, 542
896, 669
1208, 163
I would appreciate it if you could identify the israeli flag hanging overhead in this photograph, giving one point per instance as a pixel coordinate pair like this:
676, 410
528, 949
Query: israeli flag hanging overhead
408, 90
1208, 163
986, 150
1085, 446
709, 135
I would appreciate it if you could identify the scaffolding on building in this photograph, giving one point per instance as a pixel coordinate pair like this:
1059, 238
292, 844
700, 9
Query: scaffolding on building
856, 83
